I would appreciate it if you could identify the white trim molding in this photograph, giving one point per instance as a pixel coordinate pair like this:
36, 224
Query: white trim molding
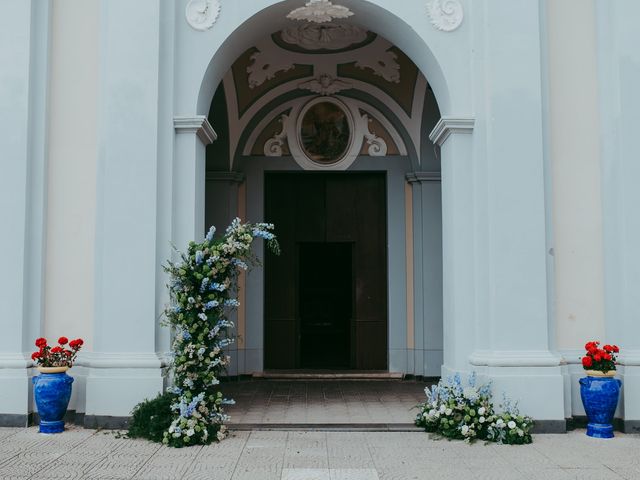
198, 124
515, 358
451, 124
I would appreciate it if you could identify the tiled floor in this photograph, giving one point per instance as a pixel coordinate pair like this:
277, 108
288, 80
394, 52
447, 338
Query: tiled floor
367, 403
289, 455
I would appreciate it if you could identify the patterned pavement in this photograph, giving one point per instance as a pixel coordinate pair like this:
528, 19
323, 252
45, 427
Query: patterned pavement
376, 404
300, 455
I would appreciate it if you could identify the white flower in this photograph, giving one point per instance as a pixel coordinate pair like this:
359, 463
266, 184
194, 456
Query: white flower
520, 433
432, 412
511, 424
448, 411
481, 419
500, 423
464, 429
470, 393
481, 411
442, 408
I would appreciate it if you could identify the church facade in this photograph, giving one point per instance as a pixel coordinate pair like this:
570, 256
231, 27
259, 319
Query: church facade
453, 183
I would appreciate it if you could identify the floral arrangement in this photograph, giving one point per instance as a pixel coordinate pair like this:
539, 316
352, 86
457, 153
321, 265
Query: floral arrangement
600, 359
57, 356
202, 288
466, 411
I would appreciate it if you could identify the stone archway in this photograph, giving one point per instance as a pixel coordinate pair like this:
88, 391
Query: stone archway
493, 187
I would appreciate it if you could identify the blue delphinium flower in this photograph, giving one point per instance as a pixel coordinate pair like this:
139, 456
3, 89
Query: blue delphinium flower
210, 234
211, 304
199, 257
231, 302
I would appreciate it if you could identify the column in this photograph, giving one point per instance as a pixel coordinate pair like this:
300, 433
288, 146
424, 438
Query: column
619, 76
512, 328
24, 32
453, 135
124, 365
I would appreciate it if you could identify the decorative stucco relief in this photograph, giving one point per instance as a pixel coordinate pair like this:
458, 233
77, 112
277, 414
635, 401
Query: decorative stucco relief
264, 67
202, 14
325, 85
384, 66
273, 146
445, 15
377, 146
319, 11
324, 37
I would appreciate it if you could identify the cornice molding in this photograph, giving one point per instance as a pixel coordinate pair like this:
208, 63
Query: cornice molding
419, 177
451, 124
231, 177
198, 124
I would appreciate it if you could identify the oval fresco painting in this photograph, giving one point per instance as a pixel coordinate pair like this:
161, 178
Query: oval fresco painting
324, 133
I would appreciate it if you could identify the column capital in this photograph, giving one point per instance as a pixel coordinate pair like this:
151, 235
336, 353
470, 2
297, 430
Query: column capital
419, 177
449, 124
198, 124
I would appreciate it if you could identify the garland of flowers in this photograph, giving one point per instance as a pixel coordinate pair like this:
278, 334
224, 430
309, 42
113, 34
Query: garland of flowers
202, 288
466, 412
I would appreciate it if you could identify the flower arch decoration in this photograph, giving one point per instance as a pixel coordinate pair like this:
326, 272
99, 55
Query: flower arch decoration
202, 288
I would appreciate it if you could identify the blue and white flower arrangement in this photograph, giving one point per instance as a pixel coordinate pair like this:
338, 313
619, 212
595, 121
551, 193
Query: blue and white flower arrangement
465, 410
201, 287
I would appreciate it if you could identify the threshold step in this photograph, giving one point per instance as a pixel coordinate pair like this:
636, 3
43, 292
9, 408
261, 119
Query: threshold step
327, 427
327, 375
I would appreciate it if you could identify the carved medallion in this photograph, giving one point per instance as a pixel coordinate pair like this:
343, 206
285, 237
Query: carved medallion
312, 36
445, 15
202, 14
319, 11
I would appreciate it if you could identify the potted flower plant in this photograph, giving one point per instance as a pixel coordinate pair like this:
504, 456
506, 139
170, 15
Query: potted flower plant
52, 388
599, 390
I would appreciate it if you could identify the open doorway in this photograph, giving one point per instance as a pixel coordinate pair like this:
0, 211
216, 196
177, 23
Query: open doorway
326, 294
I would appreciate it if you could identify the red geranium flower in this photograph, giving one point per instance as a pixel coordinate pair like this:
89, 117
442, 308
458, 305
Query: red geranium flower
606, 356
615, 348
35, 355
41, 342
597, 357
587, 361
63, 340
56, 349
76, 344
68, 353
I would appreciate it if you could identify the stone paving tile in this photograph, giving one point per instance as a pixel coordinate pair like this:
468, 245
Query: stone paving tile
264, 455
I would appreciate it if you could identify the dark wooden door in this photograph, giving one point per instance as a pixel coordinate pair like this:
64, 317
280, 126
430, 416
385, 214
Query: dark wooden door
333, 224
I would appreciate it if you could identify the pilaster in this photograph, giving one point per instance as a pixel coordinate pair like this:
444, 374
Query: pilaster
427, 271
124, 367
24, 56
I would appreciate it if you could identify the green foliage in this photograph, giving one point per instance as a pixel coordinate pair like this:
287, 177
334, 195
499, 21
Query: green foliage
151, 418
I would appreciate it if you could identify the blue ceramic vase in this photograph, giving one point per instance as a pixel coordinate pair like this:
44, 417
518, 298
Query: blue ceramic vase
600, 398
52, 392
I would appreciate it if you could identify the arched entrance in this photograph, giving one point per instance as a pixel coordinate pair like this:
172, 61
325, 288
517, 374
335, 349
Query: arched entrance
493, 192
318, 128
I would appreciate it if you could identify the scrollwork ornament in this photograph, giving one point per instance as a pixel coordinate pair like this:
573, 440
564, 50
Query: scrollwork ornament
273, 146
445, 15
202, 14
377, 146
